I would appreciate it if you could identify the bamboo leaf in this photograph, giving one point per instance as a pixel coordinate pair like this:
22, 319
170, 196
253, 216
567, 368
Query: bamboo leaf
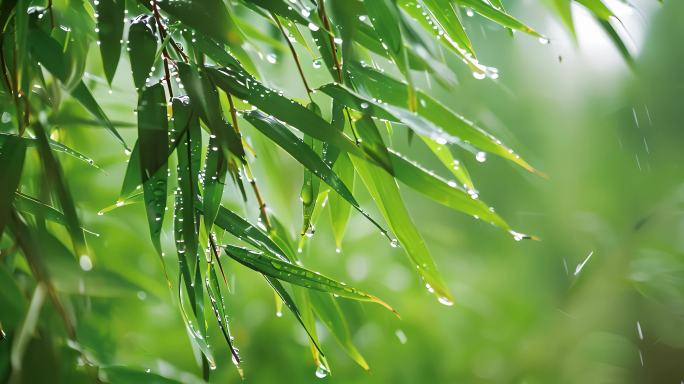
279, 134
153, 140
385, 193
110, 31
294, 274
340, 209
12, 154
143, 49
209, 17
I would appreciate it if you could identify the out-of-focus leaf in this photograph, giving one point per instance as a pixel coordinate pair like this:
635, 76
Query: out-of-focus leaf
12, 300
25, 203
55, 145
125, 374
12, 153
331, 315
110, 26
143, 48
294, 274
48, 52
69, 277
153, 141
385, 193
340, 209
57, 181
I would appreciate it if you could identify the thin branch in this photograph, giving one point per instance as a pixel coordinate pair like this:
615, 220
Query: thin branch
263, 215
294, 55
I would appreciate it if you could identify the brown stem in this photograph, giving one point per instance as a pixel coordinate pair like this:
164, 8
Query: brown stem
326, 26
165, 53
294, 55
163, 32
248, 172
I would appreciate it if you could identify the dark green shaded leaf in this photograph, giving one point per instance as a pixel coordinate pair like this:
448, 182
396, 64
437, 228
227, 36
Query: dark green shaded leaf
153, 141
12, 153
110, 25
143, 48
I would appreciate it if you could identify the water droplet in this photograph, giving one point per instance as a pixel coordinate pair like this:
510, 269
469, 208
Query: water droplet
322, 371
445, 301
394, 243
279, 314
481, 157
313, 27
469, 12
544, 40
271, 58
479, 75
429, 288
85, 263
317, 63
401, 336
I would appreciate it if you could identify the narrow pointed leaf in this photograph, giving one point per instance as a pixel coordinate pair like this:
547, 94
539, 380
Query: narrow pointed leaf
294, 274
143, 47
153, 141
12, 154
110, 25
277, 132
385, 193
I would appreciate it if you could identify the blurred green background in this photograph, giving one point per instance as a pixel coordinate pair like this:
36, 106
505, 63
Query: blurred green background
610, 140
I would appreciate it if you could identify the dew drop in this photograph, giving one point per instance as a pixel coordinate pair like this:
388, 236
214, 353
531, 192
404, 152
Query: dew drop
313, 27
394, 243
322, 371
445, 301
85, 263
481, 157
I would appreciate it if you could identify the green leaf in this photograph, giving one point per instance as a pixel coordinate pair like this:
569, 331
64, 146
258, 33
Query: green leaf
294, 274
499, 16
48, 52
340, 209
243, 86
215, 168
445, 15
143, 49
153, 141
293, 145
27, 204
454, 166
204, 96
185, 119
209, 17
385, 192
110, 25
12, 154
375, 84
443, 192
331, 315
